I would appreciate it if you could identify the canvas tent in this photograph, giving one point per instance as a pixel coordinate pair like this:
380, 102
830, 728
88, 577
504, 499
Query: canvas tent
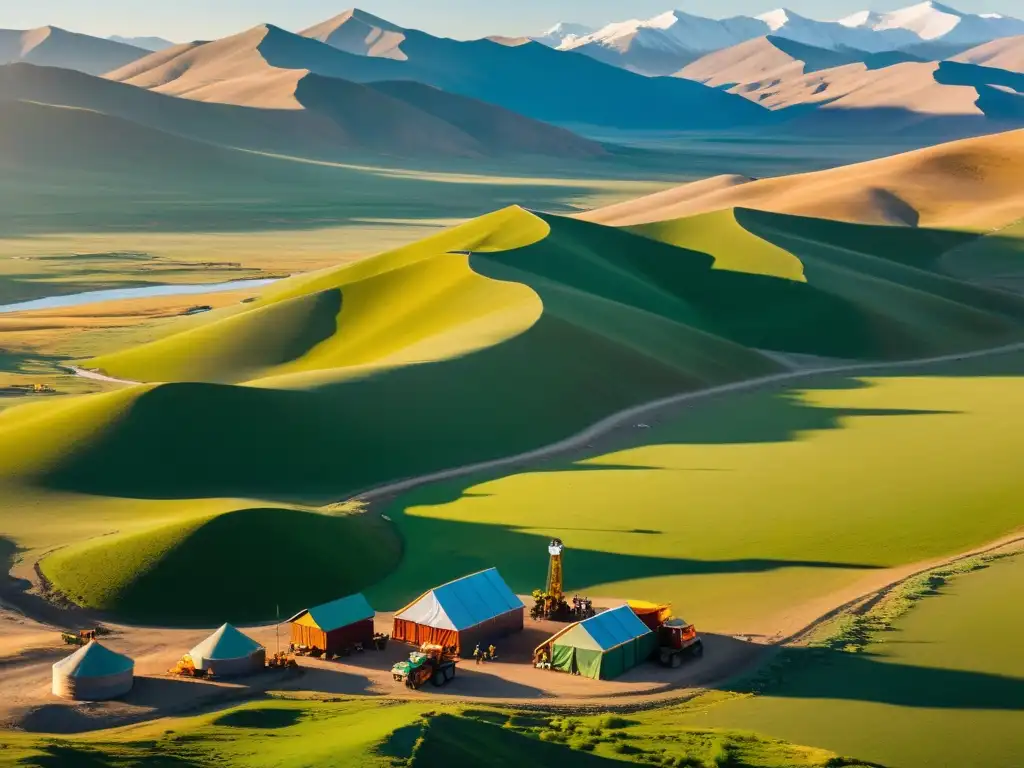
479, 608
228, 652
93, 673
603, 646
335, 626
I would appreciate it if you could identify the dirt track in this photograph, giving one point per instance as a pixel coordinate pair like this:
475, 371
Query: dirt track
628, 417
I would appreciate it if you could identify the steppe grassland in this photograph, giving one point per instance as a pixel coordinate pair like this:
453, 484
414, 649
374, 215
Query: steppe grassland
747, 504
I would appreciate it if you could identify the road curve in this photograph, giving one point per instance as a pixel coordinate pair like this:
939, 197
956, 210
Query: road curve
623, 417
85, 373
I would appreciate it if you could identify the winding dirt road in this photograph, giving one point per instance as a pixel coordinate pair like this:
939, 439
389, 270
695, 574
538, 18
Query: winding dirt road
645, 410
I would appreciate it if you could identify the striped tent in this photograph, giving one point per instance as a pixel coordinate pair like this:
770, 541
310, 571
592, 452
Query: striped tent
478, 608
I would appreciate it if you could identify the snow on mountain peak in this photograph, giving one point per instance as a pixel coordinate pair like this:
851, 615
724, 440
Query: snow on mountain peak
861, 19
563, 33
657, 44
665, 20
777, 19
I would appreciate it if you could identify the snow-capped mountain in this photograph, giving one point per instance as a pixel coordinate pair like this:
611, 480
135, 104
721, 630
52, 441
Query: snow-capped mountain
831, 34
664, 44
563, 33
931, 21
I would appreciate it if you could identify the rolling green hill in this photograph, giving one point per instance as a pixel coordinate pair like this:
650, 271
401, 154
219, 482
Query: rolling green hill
507, 333
374, 733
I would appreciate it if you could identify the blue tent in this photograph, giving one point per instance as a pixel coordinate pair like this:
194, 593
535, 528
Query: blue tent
474, 609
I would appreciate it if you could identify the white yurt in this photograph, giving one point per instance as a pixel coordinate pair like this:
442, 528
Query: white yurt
228, 652
93, 673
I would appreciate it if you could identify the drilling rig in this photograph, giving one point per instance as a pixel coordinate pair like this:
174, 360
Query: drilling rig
554, 585
550, 603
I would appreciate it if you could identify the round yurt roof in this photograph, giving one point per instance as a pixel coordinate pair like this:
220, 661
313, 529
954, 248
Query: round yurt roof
94, 660
226, 643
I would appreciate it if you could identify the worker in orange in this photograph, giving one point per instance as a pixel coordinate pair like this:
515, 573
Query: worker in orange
492, 653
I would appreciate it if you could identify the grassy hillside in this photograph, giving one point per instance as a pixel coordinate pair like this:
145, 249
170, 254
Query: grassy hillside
921, 677
498, 334
293, 554
370, 733
741, 507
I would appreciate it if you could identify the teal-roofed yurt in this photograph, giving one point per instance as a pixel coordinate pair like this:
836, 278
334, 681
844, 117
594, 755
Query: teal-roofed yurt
603, 646
228, 652
93, 673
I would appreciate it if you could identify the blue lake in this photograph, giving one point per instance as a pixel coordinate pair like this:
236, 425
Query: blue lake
113, 294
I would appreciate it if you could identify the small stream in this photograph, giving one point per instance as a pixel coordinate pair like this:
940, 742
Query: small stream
115, 294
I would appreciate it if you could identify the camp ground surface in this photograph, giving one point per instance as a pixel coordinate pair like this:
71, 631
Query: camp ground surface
28, 649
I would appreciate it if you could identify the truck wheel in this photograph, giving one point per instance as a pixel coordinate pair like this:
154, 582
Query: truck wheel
438, 678
697, 650
449, 673
676, 661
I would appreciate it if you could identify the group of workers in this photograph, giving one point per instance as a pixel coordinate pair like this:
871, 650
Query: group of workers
491, 654
582, 606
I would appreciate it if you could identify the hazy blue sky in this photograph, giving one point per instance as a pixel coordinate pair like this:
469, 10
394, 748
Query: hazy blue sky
183, 20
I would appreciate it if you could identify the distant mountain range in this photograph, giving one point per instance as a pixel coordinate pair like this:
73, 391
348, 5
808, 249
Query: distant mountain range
147, 43
895, 91
664, 44
356, 82
532, 80
55, 47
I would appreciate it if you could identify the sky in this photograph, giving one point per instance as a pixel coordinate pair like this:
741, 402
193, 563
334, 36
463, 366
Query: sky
185, 20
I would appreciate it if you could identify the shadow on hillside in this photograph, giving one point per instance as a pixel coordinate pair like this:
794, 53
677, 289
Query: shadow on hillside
465, 547
818, 673
277, 444
67, 755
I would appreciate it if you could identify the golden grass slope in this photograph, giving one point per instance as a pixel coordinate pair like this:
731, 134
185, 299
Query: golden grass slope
415, 304
226, 71
848, 91
760, 60
361, 33
971, 183
1006, 53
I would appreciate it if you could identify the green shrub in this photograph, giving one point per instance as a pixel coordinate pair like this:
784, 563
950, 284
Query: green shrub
718, 756
569, 725
584, 745
555, 736
627, 749
614, 721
